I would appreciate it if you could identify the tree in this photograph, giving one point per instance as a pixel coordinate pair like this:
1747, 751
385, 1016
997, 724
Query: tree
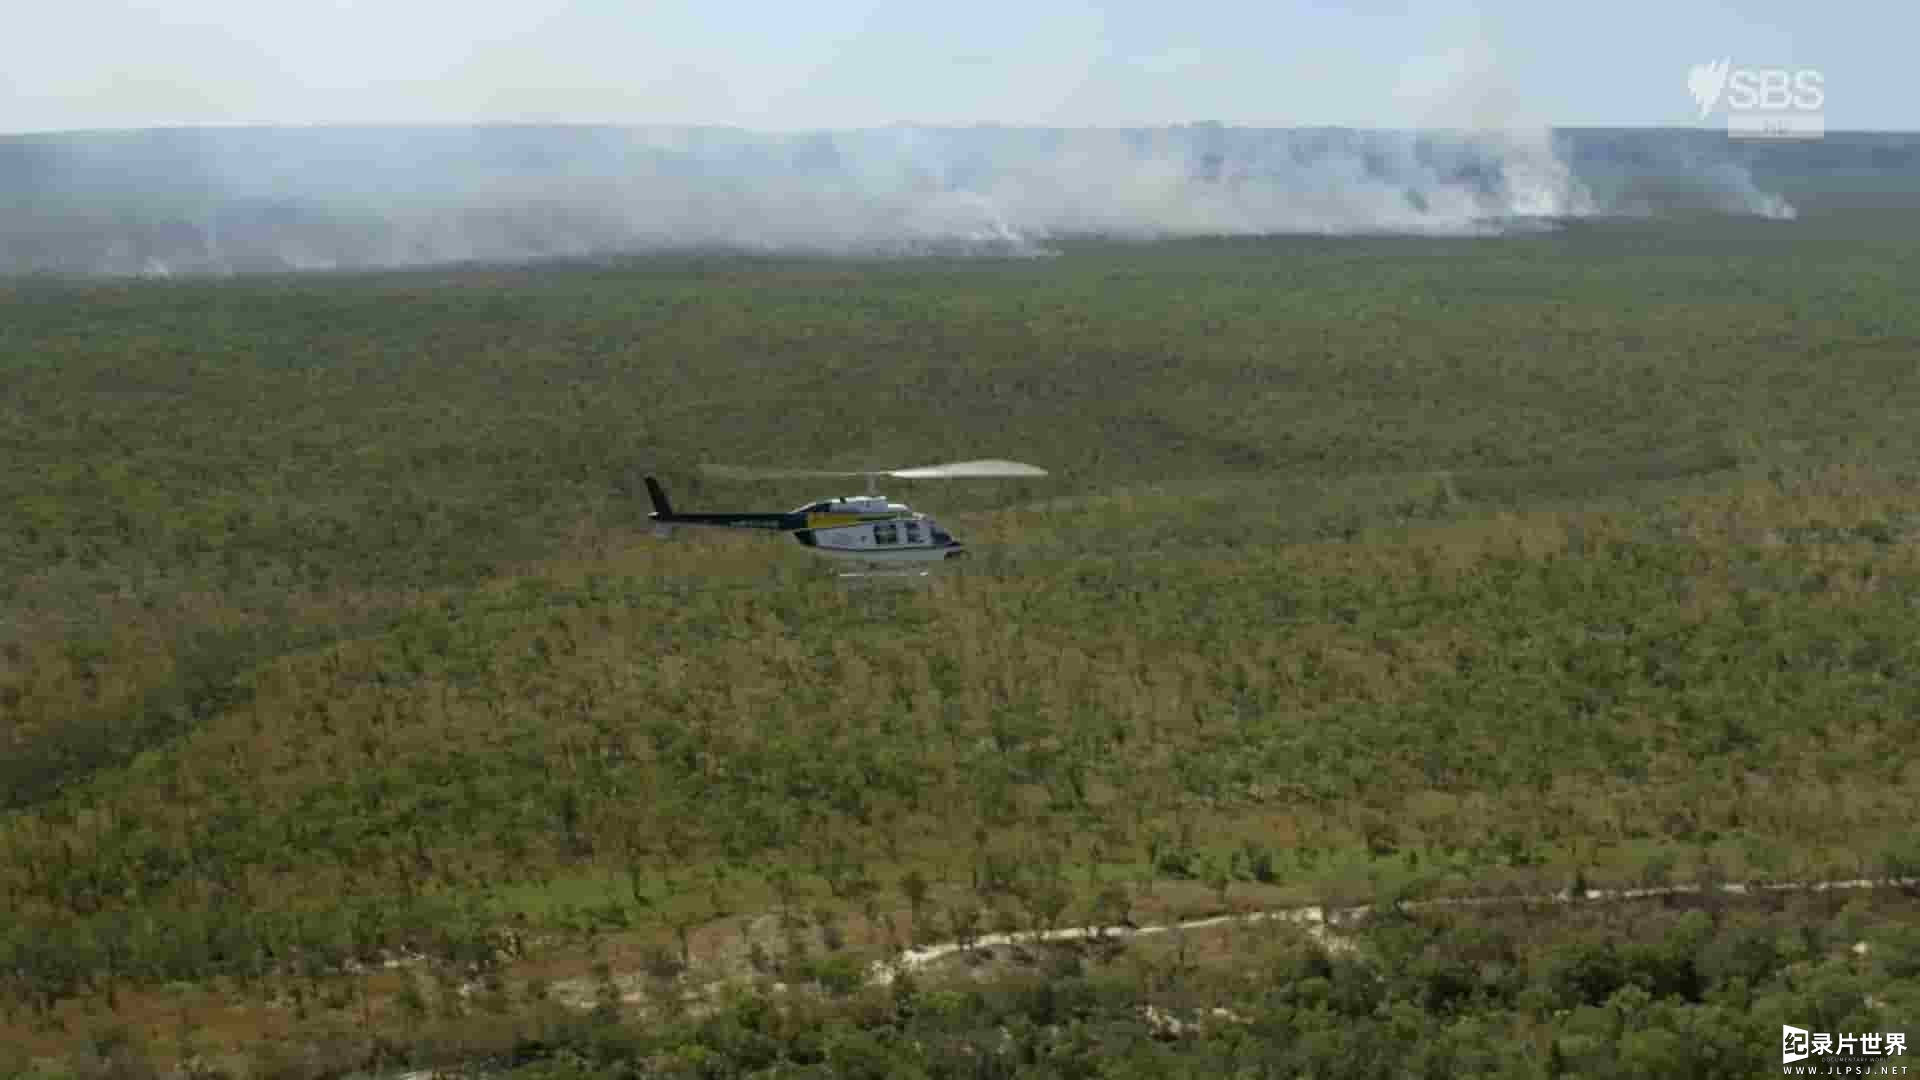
1046, 901
914, 887
1112, 906
963, 919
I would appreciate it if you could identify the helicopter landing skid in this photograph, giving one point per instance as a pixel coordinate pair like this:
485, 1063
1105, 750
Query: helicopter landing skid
852, 577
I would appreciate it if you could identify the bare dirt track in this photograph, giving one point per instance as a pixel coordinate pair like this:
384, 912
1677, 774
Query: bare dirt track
1321, 922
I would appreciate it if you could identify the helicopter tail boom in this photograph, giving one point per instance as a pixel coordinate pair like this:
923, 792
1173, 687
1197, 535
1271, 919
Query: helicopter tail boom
663, 514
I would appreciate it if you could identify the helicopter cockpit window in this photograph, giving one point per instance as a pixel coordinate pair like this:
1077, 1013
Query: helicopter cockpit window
886, 533
913, 532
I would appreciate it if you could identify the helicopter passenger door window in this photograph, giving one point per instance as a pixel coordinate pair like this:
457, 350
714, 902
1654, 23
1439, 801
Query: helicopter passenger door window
913, 532
886, 534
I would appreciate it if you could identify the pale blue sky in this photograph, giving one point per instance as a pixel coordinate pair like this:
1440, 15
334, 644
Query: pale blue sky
784, 66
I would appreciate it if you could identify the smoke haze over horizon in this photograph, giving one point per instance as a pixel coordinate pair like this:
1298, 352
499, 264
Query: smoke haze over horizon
223, 200
229, 200
555, 128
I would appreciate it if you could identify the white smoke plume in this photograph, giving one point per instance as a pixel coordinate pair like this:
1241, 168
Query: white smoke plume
223, 200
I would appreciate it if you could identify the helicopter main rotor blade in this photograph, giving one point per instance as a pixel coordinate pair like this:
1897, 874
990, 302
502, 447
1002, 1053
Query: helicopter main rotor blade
754, 472
962, 469
948, 471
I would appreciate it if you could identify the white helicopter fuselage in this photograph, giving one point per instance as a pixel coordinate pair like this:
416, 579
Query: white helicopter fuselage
869, 529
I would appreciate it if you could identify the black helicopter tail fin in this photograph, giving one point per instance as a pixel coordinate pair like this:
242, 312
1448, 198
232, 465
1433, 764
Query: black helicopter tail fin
658, 494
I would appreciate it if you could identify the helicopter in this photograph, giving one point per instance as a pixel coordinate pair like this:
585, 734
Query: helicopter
866, 529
